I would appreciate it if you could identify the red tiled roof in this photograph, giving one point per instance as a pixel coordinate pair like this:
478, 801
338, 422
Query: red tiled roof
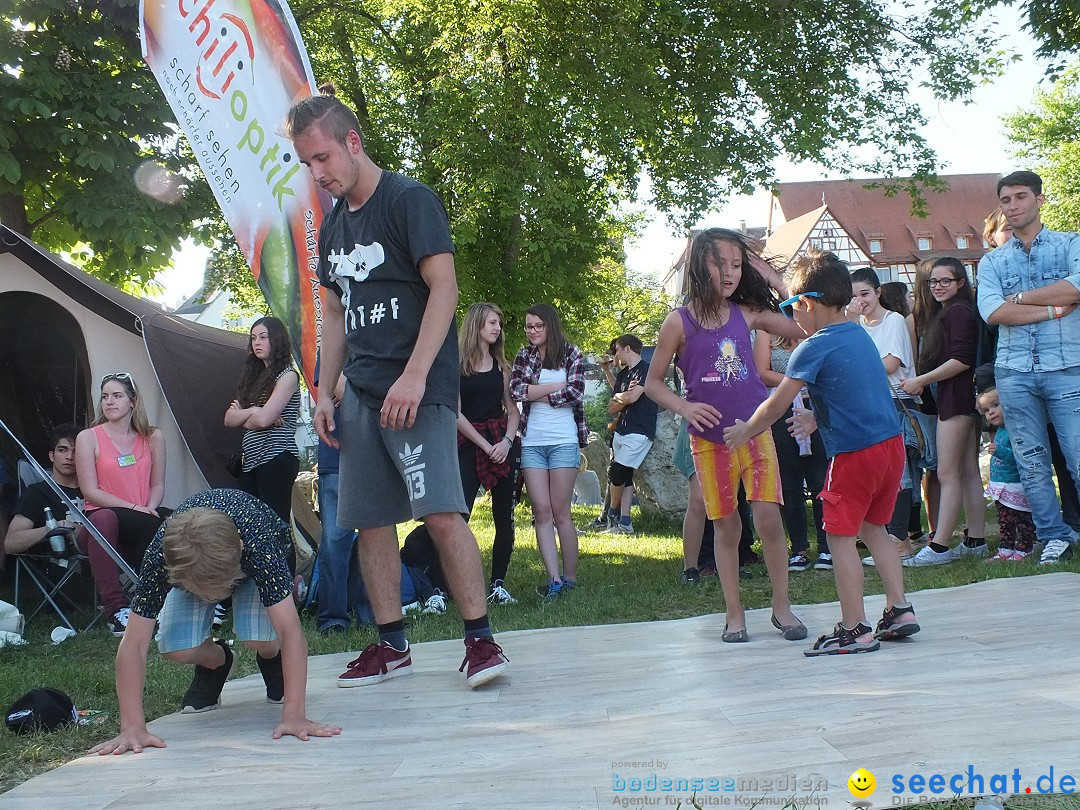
865, 213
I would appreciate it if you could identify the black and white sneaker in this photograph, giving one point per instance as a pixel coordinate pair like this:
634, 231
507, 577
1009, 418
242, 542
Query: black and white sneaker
204, 693
220, 614
498, 595
273, 677
118, 622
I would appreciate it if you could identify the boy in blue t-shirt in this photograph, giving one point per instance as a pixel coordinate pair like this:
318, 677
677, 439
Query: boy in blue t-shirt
853, 409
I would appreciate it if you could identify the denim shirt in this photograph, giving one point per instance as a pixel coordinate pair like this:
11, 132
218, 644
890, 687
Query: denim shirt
1046, 345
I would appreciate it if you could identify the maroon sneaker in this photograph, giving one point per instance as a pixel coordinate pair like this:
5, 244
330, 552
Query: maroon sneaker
376, 663
485, 660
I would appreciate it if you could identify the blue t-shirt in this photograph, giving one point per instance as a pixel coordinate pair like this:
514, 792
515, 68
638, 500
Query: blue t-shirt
848, 388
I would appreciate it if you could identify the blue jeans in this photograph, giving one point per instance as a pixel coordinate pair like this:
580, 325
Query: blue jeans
337, 560
1030, 399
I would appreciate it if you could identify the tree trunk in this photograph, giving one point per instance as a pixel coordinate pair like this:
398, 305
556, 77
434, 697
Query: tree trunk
13, 213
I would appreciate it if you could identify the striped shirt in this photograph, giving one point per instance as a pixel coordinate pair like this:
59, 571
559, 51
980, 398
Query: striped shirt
261, 446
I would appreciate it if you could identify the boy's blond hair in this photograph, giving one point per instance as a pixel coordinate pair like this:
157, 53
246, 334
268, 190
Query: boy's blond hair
202, 552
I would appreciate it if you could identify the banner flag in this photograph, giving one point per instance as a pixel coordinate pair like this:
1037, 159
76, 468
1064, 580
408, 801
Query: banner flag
231, 69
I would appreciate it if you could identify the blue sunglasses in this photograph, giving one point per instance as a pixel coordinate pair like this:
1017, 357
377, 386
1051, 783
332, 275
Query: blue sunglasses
787, 306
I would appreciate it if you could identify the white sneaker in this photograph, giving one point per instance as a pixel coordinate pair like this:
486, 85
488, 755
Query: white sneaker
868, 561
118, 622
411, 608
1055, 551
499, 595
927, 556
435, 604
824, 562
963, 550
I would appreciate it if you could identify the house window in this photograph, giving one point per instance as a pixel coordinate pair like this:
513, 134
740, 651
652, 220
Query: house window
875, 246
961, 242
924, 243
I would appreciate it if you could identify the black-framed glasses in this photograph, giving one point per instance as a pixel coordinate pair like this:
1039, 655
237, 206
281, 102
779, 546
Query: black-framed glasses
941, 282
123, 376
534, 327
788, 306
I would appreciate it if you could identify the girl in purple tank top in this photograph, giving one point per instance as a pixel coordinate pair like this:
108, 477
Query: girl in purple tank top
728, 298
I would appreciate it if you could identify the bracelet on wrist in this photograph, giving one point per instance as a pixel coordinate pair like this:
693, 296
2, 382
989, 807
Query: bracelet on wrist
1049, 313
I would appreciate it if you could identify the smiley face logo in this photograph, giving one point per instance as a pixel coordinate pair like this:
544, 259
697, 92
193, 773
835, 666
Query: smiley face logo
861, 783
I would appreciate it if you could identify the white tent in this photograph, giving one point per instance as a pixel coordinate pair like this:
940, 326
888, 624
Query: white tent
61, 330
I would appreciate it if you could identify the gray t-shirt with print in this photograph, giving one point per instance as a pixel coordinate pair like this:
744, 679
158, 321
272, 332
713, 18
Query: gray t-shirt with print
370, 257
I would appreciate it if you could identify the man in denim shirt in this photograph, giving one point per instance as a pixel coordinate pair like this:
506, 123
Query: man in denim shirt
1030, 286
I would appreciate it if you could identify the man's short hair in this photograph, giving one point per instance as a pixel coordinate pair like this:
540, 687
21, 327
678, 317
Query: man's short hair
817, 271
333, 118
202, 552
1023, 178
61, 432
631, 341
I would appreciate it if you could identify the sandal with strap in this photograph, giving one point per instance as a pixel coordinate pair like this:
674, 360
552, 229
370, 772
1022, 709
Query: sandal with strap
844, 641
897, 622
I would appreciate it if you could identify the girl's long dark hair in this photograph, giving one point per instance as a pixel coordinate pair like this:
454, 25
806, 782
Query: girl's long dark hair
932, 332
894, 297
258, 378
555, 342
753, 291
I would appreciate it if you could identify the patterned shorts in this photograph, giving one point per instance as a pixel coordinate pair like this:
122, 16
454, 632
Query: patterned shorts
720, 471
184, 620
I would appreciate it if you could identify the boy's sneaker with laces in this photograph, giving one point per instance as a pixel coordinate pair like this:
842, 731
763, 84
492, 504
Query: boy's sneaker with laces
118, 622
498, 595
1055, 551
435, 605
600, 524
204, 693
377, 662
567, 584
691, 576
824, 562
897, 622
798, 562
621, 528
842, 641
927, 556
220, 612
273, 677
485, 660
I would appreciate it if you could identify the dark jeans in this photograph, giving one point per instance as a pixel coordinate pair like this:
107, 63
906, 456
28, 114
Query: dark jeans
794, 471
272, 483
502, 504
1070, 500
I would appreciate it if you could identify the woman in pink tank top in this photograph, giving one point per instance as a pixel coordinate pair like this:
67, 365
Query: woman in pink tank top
120, 463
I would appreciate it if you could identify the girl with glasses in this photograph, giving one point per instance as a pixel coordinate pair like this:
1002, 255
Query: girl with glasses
949, 328
267, 407
548, 379
120, 464
710, 336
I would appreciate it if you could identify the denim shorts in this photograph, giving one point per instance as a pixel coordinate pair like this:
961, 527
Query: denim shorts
551, 456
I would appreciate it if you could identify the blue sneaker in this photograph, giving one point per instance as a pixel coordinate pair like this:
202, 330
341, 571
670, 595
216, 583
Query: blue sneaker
550, 592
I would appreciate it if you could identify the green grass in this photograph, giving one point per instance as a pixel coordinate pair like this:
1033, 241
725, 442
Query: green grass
622, 579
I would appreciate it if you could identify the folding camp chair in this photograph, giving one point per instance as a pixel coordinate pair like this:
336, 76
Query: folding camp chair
55, 574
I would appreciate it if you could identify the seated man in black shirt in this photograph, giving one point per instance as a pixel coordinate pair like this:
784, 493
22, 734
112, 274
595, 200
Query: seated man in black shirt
216, 544
27, 527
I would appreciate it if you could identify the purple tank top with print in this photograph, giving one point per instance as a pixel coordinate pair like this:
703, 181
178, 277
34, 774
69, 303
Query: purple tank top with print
718, 368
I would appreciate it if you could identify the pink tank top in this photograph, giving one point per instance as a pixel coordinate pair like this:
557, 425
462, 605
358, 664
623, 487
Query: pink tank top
126, 477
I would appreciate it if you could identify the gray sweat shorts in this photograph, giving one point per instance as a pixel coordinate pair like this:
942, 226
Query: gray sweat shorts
392, 476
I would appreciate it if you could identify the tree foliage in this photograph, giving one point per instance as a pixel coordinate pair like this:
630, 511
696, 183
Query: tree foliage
1048, 137
83, 127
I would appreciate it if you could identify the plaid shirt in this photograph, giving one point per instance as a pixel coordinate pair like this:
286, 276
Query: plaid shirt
526, 372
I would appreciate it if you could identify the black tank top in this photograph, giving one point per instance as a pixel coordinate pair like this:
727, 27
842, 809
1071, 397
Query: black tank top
482, 395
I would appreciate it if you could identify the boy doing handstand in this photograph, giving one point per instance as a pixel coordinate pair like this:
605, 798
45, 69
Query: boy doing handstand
218, 543
853, 410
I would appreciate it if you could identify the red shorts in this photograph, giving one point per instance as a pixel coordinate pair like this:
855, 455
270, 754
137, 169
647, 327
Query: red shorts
861, 487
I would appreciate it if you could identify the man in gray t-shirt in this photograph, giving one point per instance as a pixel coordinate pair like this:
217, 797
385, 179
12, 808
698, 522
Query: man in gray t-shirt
390, 291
